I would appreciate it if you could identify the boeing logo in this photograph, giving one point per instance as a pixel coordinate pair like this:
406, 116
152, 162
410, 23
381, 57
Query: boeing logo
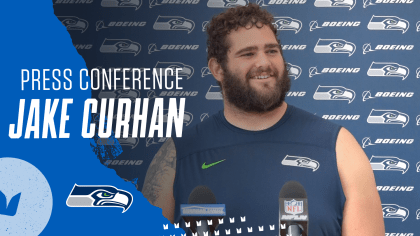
74, 23
122, 3
123, 162
388, 69
341, 117
334, 93
174, 23
367, 3
153, 48
314, 71
334, 46
278, 2
377, 116
287, 23
296, 93
389, 163
313, 25
153, 3
367, 95
293, 47
214, 93
366, 141
100, 24
335, 3
388, 23
205, 71
120, 46
368, 48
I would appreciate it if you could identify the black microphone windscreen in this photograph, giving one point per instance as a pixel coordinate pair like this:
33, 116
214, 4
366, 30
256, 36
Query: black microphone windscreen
202, 195
292, 189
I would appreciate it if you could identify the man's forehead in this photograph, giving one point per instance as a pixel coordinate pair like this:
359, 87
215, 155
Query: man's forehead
250, 37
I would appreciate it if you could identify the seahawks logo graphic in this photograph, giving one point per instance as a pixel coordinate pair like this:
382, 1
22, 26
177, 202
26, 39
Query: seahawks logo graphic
186, 70
261, 3
388, 117
122, 3
334, 93
335, 3
119, 92
226, 3
74, 23
214, 93
173, 23
367, 3
99, 196
300, 162
388, 69
293, 70
366, 142
394, 211
334, 46
313, 25
389, 163
120, 46
205, 71
287, 23
388, 23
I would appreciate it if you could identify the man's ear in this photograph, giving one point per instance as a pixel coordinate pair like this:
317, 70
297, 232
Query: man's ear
216, 69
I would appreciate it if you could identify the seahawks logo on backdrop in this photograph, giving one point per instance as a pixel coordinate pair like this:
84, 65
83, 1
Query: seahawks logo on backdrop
335, 3
293, 70
214, 93
226, 3
394, 211
388, 117
287, 23
388, 23
334, 46
122, 3
388, 69
173, 23
120, 46
119, 92
99, 196
186, 70
334, 93
389, 163
74, 23
300, 162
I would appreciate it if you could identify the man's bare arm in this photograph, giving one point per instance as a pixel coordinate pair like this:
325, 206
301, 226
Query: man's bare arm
362, 211
158, 184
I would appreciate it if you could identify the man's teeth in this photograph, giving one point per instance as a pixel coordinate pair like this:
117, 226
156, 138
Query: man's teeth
261, 77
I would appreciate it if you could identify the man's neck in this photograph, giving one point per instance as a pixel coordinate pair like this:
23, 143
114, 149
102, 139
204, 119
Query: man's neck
253, 121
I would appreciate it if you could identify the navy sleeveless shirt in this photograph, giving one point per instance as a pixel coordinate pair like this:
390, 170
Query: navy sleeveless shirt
255, 166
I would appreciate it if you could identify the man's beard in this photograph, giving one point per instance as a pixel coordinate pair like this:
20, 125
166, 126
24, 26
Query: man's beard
240, 93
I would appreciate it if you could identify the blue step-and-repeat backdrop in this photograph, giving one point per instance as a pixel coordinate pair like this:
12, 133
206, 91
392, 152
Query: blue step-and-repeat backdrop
51, 173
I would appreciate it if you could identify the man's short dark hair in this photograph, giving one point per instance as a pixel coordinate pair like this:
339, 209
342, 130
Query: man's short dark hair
221, 25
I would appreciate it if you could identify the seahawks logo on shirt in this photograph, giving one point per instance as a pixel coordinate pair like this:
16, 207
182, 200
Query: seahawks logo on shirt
300, 162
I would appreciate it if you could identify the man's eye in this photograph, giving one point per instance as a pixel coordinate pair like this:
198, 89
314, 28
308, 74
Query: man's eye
272, 51
248, 54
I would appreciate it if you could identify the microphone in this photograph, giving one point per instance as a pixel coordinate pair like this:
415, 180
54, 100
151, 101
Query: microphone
202, 212
293, 212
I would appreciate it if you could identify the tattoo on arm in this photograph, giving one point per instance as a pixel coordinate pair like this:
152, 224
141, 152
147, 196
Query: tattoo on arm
161, 172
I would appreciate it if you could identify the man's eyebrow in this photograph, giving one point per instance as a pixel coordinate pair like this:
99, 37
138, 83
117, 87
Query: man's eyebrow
253, 48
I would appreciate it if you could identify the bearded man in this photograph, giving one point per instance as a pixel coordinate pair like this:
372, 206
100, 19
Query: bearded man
246, 152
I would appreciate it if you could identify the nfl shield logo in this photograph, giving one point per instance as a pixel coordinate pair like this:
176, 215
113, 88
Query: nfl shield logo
293, 207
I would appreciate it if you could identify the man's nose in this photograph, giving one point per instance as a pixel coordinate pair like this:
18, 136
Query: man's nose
262, 60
